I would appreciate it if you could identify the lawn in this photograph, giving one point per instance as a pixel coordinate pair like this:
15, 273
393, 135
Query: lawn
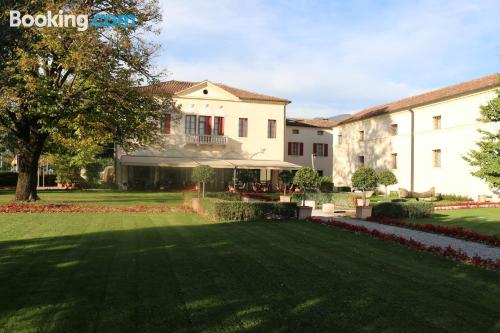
176, 272
482, 220
109, 198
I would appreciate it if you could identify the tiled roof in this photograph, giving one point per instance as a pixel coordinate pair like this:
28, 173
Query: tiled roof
173, 87
487, 82
319, 123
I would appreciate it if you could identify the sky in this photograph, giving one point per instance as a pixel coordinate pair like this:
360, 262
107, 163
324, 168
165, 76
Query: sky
330, 57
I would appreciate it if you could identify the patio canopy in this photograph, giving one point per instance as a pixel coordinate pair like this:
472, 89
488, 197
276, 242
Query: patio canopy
185, 162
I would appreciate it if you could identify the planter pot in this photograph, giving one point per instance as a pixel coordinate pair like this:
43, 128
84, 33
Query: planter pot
285, 198
363, 212
359, 202
328, 208
304, 212
195, 204
310, 203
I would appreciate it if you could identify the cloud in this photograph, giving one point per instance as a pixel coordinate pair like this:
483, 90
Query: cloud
329, 56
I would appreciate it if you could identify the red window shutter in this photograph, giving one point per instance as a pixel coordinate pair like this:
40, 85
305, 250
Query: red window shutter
168, 118
208, 126
289, 148
221, 125
301, 149
325, 149
315, 150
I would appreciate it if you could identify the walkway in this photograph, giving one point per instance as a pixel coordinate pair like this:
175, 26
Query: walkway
470, 248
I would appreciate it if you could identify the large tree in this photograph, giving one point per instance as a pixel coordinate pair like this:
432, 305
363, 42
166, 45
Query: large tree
486, 159
60, 85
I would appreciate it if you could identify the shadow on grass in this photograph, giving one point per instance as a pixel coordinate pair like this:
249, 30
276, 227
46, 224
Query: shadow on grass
231, 278
483, 224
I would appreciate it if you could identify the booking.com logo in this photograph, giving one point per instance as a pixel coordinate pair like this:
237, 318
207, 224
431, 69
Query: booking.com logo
62, 20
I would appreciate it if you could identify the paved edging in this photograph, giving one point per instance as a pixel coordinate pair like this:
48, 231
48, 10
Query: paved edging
470, 248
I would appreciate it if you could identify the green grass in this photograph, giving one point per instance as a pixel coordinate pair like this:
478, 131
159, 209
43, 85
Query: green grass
108, 198
143, 272
482, 220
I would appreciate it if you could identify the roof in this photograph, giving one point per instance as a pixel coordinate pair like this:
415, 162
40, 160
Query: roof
319, 123
173, 87
483, 83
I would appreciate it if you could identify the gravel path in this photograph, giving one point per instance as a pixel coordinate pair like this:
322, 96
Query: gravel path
468, 247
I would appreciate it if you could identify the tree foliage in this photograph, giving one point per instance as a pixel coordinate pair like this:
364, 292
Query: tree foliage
306, 178
203, 174
386, 177
61, 85
286, 178
364, 178
486, 159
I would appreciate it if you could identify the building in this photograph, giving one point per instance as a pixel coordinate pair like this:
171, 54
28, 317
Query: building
226, 128
309, 143
422, 139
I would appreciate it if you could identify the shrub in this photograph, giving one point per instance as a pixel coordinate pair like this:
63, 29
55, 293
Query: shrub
326, 184
341, 189
223, 210
453, 197
286, 178
410, 209
203, 174
229, 196
344, 200
8, 179
386, 178
306, 178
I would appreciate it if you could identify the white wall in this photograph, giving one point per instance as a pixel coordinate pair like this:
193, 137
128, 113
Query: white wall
309, 136
457, 136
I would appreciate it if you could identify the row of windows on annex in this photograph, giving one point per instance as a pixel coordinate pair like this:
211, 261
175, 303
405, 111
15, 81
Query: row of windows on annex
436, 124
208, 125
319, 132
297, 149
436, 159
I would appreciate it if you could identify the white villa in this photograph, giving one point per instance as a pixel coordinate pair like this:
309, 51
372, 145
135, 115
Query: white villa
422, 139
224, 127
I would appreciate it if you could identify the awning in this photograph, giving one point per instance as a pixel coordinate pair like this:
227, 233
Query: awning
181, 162
186, 162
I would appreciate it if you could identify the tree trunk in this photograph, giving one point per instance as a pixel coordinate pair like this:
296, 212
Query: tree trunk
27, 162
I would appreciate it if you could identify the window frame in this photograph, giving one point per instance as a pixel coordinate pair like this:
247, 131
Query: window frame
436, 122
190, 130
394, 161
271, 128
394, 129
243, 127
436, 158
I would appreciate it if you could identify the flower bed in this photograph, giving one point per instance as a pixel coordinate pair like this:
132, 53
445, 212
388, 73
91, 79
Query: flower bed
443, 251
465, 205
457, 232
70, 208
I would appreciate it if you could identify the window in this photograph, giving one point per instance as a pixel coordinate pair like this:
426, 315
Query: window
320, 149
361, 135
271, 129
190, 125
436, 122
204, 125
218, 126
394, 161
394, 129
166, 123
361, 160
339, 139
436, 158
320, 132
295, 131
243, 128
296, 148
320, 173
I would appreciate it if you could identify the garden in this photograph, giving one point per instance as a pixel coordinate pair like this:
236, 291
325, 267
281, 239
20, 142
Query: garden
147, 271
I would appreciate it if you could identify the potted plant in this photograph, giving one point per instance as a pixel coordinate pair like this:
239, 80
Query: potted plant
386, 177
202, 174
365, 179
286, 178
305, 178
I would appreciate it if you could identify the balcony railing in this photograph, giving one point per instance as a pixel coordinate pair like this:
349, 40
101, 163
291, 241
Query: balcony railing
206, 139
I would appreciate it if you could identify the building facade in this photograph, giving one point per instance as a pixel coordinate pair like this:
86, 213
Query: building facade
309, 143
422, 139
226, 128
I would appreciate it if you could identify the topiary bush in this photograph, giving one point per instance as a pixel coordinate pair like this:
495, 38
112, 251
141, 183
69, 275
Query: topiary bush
410, 209
231, 211
230, 196
341, 200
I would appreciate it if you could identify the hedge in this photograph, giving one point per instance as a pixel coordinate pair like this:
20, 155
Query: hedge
410, 209
345, 200
223, 210
229, 196
8, 178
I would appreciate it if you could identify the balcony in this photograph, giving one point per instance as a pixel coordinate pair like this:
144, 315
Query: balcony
206, 139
